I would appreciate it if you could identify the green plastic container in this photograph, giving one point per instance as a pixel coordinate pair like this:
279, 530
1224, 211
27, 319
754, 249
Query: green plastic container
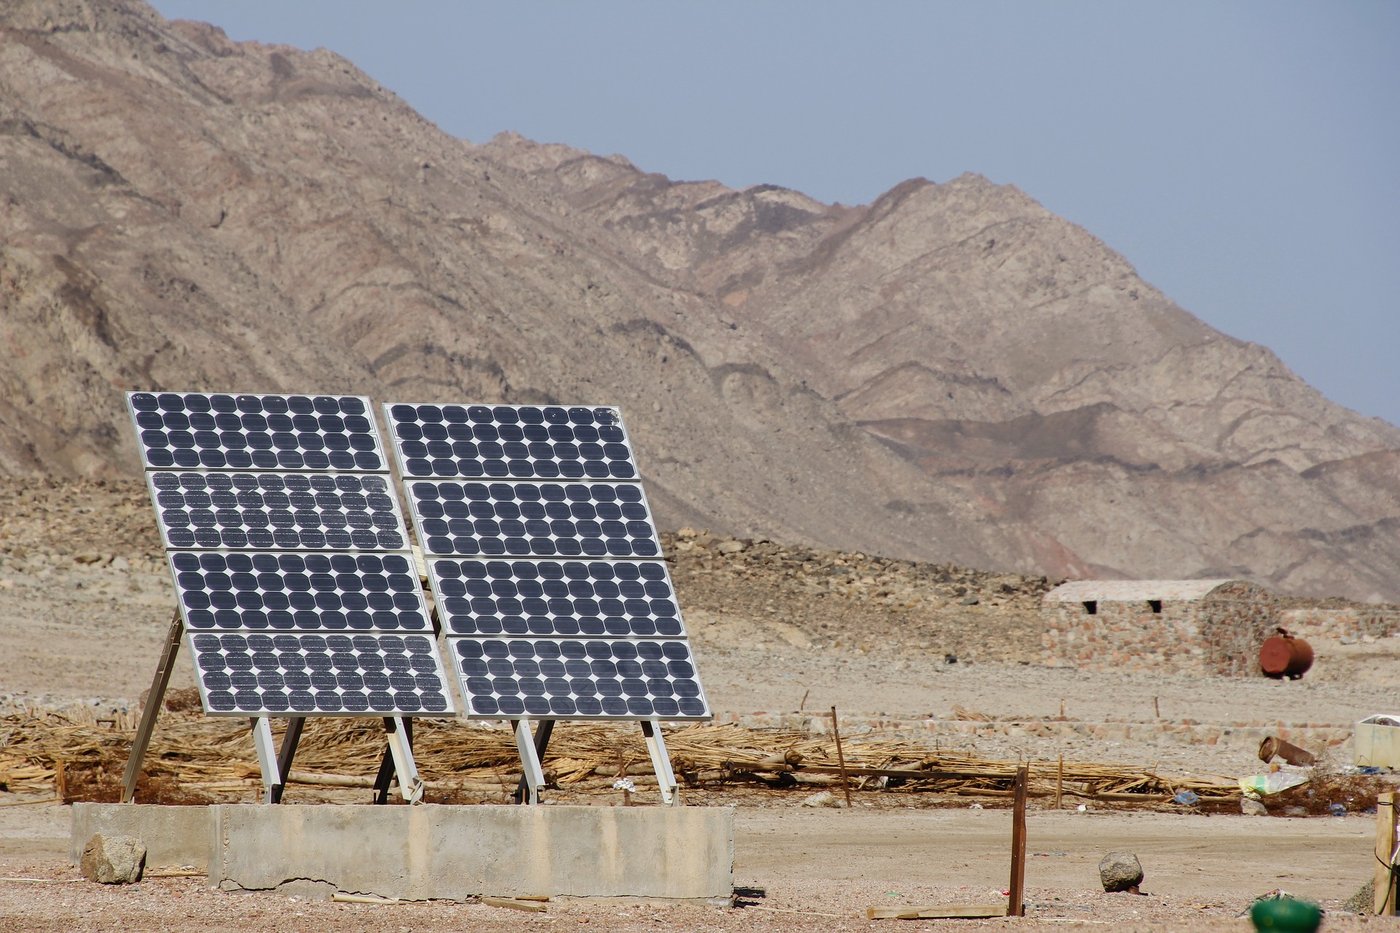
1286, 915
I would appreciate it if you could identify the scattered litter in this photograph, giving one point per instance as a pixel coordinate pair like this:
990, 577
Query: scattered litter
946, 911
1337, 809
1252, 806
1186, 798
822, 799
1279, 910
1263, 785
1275, 747
1377, 741
527, 904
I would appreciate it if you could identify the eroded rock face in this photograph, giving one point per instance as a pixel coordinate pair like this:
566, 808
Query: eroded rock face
951, 373
113, 859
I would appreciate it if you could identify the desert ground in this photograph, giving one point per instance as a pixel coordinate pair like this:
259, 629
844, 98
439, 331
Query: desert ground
940, 656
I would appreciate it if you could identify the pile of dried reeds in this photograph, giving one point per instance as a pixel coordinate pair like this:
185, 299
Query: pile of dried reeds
213, 755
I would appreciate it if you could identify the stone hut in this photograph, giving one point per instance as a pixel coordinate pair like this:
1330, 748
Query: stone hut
1189, 626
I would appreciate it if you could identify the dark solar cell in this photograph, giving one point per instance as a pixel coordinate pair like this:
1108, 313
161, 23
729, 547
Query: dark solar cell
603, 599
285, 511
256, 432
272, 592
251, 674
621, 679
510, 442
532, 519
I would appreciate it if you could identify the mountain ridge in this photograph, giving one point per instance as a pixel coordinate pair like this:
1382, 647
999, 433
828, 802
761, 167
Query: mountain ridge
951, 372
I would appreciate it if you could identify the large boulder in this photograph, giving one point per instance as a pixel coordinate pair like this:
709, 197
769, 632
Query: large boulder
113, 859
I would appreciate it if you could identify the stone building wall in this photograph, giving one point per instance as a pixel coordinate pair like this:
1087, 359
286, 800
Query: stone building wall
1351, 624
1219, 633
1236, 619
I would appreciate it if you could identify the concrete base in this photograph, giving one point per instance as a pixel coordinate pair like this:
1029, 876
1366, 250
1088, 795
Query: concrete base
429, 852
174, 836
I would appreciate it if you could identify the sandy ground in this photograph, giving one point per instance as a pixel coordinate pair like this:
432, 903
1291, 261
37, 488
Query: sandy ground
84, 608
819, 869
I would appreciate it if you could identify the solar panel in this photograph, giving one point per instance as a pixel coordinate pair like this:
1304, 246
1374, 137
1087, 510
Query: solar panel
600, 519
607, 599
290, 555
272, 591
545, 563
511, 442
256, 432
252, 674
579, 679
312, 511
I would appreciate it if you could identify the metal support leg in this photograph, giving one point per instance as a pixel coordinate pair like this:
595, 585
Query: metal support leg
284, 759
542, 734
267, 757
154, 698
529, 760
661, 761
401, 749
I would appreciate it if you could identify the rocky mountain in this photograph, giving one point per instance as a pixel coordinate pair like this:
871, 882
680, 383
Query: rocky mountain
951, 373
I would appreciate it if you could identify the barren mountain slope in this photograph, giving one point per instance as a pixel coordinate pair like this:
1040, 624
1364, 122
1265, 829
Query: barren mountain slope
950, 373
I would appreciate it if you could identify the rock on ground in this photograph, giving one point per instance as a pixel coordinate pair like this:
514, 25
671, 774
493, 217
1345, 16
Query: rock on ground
1120, 871
113, 859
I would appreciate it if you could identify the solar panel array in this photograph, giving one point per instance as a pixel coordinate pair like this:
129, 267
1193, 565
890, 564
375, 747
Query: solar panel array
544, 561
290, 557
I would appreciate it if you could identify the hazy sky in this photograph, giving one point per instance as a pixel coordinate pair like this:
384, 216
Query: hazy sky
1244, 156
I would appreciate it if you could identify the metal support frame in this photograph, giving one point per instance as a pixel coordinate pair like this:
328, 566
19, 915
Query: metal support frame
290, 739
266, 748
661, 762
542, 734
154, 698
533, 746
533, 776
398, 761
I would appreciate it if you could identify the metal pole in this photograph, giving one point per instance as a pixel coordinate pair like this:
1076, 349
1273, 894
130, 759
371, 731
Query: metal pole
154, 698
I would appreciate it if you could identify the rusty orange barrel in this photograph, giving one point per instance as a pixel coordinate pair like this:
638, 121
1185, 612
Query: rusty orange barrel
1282, 655
1273, 745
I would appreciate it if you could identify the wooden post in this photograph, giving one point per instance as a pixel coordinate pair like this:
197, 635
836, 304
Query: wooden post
1059, 782
1016, 907
840, 758
1384, 902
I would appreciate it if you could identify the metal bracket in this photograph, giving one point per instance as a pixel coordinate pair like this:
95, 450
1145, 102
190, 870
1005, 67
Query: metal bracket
400, 735
154, 698
290, 739
267, 758
542, 734
533, 776
661, 762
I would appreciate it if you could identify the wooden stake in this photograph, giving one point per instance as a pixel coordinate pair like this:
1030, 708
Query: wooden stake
1016, 907
513, 903
840, 758
1060, 781
1156, 708
1384, 902
943, 912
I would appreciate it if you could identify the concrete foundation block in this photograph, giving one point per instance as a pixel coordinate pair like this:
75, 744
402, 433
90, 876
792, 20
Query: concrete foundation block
435, 852
452, 852
172, 835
